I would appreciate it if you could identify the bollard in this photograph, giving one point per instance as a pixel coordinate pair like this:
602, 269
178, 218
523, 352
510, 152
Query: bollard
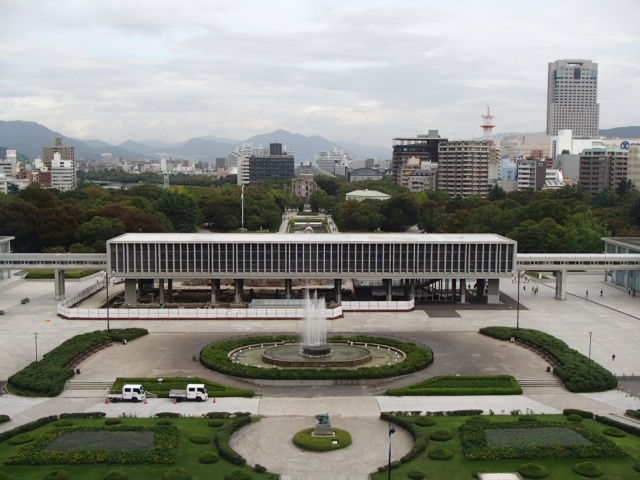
106, 401
214, 399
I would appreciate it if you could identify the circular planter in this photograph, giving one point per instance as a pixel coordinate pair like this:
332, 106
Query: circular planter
441, 435
588, 469
440, 454
199, 438
306, 441
614, 432
533, 470
208, 457
424, 421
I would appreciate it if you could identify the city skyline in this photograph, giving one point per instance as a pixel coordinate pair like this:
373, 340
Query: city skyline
358, 71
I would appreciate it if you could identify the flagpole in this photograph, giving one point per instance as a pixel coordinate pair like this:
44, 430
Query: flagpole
391, 432
242, 208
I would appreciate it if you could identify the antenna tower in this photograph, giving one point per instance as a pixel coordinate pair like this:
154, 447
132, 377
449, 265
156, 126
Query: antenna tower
487, 125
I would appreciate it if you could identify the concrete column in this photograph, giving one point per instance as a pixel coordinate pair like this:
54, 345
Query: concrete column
454, 288
215, 290
130, 292
170, 289
288, 288
337, 289
161, 290
141, 288
389, 288
411, 292
239, 286
493, 291
58, 277
463, 290
561, 285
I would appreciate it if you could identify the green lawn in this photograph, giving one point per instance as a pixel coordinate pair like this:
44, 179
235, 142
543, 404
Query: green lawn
462, 385
561, 469
180, 383
47, 274
186, 456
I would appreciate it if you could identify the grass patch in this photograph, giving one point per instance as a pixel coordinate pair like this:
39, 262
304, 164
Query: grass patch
304, 440
462, 385
180, 383
186, 455
215, 357
577, 373
48, 274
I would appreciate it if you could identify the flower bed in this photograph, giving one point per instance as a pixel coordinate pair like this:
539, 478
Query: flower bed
215, 357
304, 440
462, 385
41, 452
577, 372
530, 441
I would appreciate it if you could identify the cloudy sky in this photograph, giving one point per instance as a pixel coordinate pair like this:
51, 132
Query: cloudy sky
359, 70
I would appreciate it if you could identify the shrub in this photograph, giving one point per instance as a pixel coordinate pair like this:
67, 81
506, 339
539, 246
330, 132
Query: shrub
208, 457
259, 468
112, 421
441, 435
533, 470
636, 467
440, 454
588, 469
215, 357
304, 440
575, 418
238, 474
576, 371
56, 475
177, 473
27, 427
415, 474
633, 413
168, 415
424, 421
622, 426
215, 423
48, 376
164, 421
4, 476
224, 435
527, 418
478, 419
198, 438
83, 415
576, 411
614, 432
4, 418
116, 475
65, 422
21, 439
462, 385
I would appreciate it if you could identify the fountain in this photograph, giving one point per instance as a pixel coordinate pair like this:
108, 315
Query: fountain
315, 328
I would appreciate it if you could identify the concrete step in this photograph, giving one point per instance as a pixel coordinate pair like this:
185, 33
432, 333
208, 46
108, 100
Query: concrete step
76, 385
551, 382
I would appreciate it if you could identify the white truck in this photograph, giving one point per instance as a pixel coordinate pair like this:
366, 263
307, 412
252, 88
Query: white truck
130, 393
194, 391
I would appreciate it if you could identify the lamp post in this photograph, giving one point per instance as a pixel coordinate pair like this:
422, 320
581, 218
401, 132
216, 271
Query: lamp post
35, 336
518, 304
107, 288
589, 369
392, 430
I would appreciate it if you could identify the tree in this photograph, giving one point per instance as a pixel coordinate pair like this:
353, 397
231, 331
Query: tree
98, 230
496, 193
399, 212
181, 210
321, 200
583, 233
327, 183
358, 216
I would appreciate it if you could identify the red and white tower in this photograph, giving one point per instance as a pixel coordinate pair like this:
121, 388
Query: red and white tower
487, 125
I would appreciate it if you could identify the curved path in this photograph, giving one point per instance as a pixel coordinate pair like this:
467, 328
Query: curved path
268, 442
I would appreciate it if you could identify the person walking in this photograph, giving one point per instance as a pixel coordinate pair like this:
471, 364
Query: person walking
600, 292
586, 293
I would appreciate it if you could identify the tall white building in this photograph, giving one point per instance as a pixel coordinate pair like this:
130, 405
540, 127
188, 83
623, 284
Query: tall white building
572, 97
63, 174
327, 160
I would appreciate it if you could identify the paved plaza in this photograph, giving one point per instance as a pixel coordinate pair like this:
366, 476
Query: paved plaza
450, 330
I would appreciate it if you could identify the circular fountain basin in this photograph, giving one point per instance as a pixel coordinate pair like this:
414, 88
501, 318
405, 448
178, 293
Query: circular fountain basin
341, 355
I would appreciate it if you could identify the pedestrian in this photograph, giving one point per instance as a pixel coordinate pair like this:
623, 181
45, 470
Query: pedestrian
613, 357
600, 292
524, 287
586, 293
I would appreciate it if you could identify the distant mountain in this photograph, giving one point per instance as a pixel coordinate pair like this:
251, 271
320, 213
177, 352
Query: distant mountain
29, 138
365, 151
621, 132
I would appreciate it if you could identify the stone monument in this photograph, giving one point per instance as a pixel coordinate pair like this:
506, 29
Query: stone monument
323, 427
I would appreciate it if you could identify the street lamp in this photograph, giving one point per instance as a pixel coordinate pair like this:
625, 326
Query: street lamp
518, 304
107, 288
392, 430
589, 369
35, 336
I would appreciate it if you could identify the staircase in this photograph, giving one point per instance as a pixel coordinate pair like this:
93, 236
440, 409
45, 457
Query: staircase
546, 382
75, 385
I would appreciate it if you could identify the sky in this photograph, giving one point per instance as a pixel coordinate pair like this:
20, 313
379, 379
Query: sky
358, 70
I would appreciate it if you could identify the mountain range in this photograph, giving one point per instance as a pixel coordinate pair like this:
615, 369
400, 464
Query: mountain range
29, 138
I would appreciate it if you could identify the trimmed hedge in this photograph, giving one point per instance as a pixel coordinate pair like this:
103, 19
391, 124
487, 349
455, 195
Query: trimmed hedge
462, 385
27, 427
614, 432
21, 439
574, 417
208, 457
576, 411
83, 415
440, 454
116, 475
180, 383
56, 475
224, 436
238, 474
533, 470
420, 444
4, 418
476, 447
441, 435
416, 474
588, 469
574, 370
633, 430
304, 440
424, 421
178, 473
215, 357
47, 377
199, 438
633, 413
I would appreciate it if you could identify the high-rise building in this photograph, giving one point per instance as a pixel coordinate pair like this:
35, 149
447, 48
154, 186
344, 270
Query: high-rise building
423, 147
602, 168
327, 160
63, 175
572, 97
276, 164
633, 165
463, 167
66, 153
531, 174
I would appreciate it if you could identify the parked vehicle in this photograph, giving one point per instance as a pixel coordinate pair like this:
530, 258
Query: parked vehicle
24, 301
194, 391
130, 393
